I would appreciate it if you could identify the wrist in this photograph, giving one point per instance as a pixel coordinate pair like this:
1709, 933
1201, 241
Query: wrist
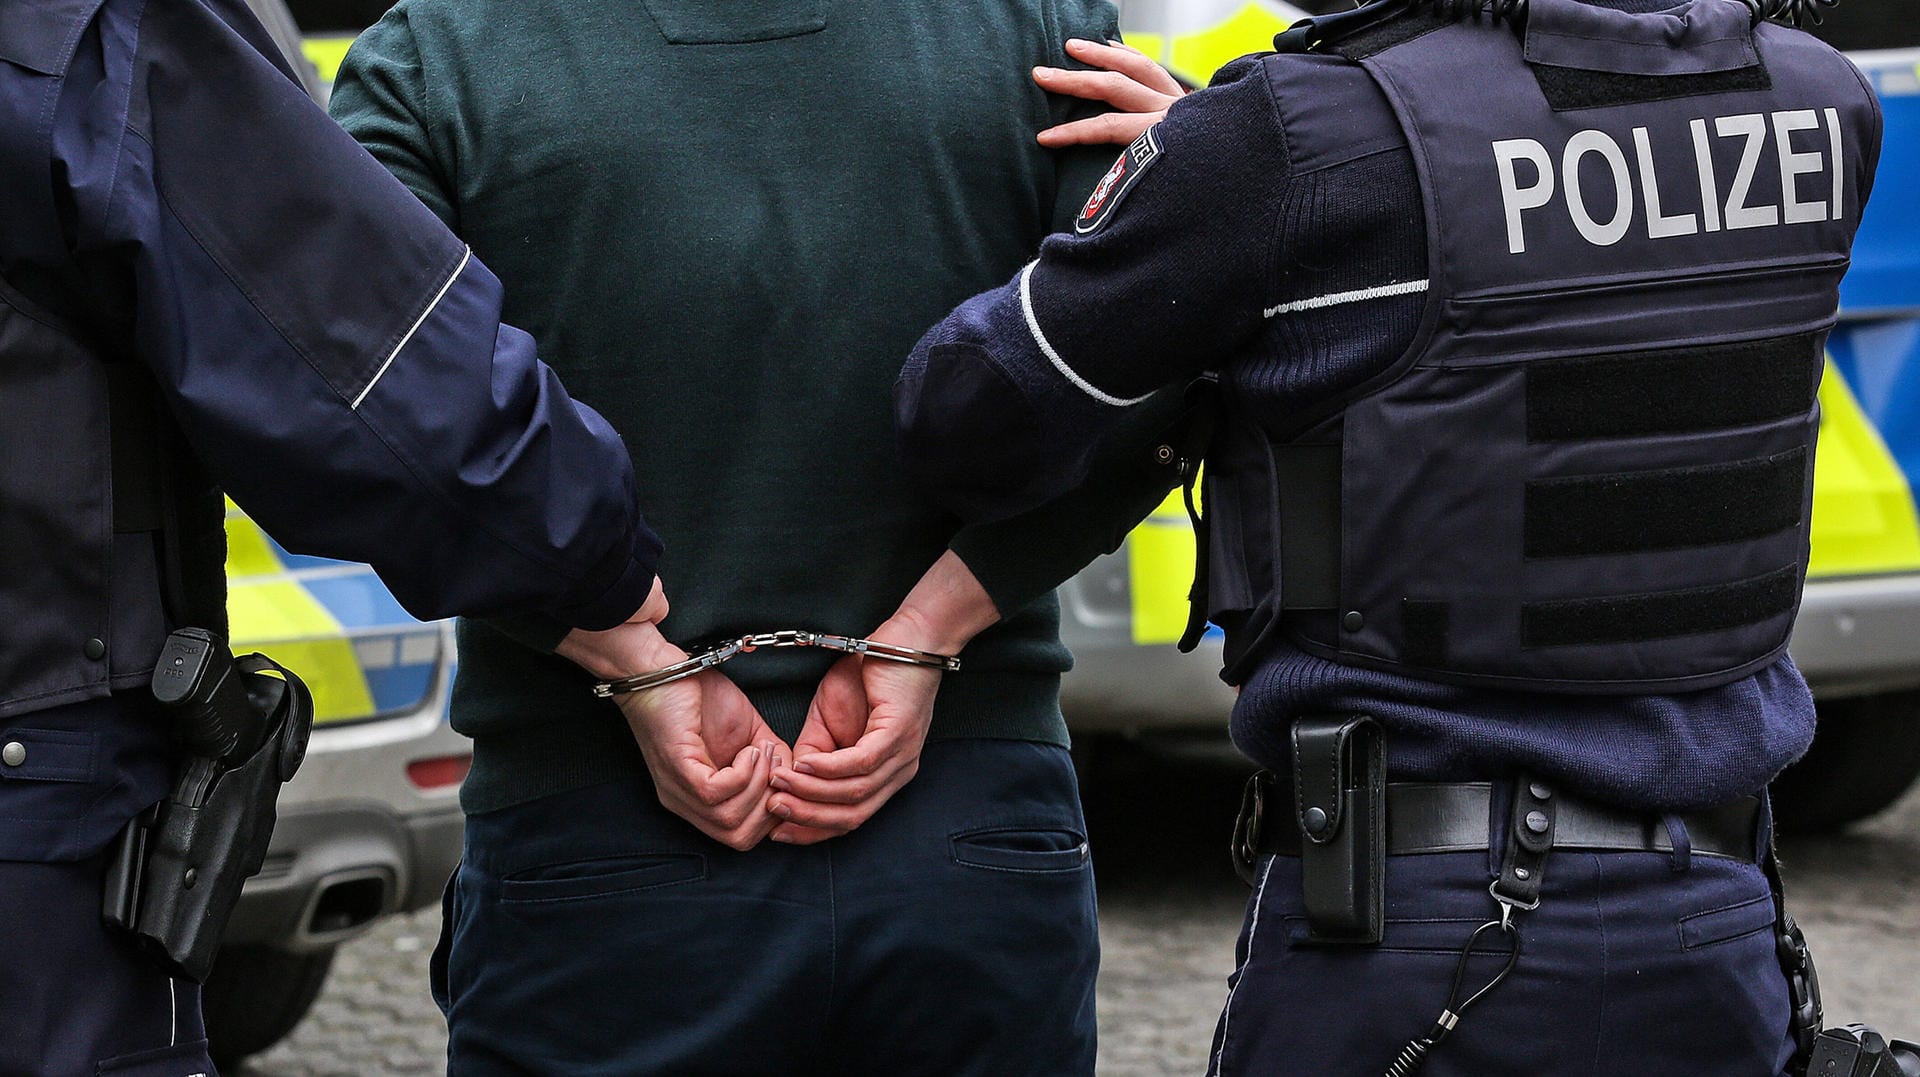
908, 628
651, 650
943, 612
634, 647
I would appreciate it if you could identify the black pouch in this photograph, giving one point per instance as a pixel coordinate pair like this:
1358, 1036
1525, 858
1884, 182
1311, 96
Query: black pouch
1250, 826
1339, 795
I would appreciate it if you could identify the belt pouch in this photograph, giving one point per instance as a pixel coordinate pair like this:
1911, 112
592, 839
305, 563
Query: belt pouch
1339, 792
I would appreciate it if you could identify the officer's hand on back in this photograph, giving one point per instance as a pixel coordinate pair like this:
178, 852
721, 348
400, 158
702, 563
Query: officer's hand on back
1130, 81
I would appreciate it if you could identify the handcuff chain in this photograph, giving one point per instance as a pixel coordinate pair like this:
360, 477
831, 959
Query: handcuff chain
696, 664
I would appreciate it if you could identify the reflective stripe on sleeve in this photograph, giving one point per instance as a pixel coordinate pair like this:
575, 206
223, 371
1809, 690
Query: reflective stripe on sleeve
424, 315
1040, 340
1356, 296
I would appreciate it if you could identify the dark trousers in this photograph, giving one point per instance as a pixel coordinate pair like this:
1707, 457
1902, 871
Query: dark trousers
1634, 965
594, 933
77, 999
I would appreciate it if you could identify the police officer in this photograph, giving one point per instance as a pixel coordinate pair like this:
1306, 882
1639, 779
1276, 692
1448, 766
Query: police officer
1516, 320
202, 278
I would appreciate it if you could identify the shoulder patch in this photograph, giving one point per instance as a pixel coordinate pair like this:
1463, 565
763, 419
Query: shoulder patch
1117, 182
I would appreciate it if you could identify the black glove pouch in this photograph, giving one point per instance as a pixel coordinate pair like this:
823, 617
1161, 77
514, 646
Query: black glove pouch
1339, 794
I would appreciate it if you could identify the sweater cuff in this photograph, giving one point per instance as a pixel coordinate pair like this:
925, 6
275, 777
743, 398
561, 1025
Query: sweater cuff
1021, 559
610, 604
1007, 571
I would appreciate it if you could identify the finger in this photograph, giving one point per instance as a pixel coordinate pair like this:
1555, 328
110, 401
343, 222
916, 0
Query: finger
655, 608
740, 822
695, 813
794, 834
829, 790
865, 757
1117, 90
1115, 128
843, 702
814, 736
1127, 60
814, 739
746, 806
710, 787
839, 818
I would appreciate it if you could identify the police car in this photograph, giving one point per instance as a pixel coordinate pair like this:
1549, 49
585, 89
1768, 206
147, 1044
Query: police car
1857, 639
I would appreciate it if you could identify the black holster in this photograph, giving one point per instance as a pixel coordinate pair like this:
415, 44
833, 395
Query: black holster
1859, 1051
176, 874
1339, 801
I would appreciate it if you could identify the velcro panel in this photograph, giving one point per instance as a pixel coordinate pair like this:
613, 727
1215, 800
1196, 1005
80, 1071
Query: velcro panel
1568, 89
1661, 614
1672, 391
1639, 511
1381, 36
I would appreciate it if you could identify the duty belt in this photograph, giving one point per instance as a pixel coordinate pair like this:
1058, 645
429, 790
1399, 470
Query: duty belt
1434, 817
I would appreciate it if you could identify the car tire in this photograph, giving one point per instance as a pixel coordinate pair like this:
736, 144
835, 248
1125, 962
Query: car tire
1864, 756
255, 996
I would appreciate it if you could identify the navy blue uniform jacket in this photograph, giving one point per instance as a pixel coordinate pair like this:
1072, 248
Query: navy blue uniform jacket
332, 352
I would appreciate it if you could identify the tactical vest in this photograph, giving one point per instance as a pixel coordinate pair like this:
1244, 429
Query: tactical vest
1592, 471
110, 535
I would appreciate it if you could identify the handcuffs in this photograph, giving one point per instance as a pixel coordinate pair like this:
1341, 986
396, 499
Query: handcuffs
722, 652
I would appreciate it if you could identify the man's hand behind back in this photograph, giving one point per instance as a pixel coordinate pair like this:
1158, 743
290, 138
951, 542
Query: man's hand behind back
710, 754
861, 744
707, 748
870, 717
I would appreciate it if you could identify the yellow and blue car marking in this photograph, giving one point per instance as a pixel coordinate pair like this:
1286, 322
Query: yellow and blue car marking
335, 623
1869, 457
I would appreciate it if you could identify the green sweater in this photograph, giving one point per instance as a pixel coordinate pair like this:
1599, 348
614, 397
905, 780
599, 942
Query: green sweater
727, 223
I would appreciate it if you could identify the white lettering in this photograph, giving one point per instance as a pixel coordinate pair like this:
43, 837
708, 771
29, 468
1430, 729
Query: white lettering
1659, 226
1515, 197
1833, 145
1794, 165
1602, 235
1709, 187
1740, 215
1734, 205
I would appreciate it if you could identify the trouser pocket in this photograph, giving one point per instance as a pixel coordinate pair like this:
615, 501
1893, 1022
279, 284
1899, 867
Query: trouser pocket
437, 965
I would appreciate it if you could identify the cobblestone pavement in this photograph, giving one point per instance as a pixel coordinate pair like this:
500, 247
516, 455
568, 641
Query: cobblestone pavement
1169, 912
